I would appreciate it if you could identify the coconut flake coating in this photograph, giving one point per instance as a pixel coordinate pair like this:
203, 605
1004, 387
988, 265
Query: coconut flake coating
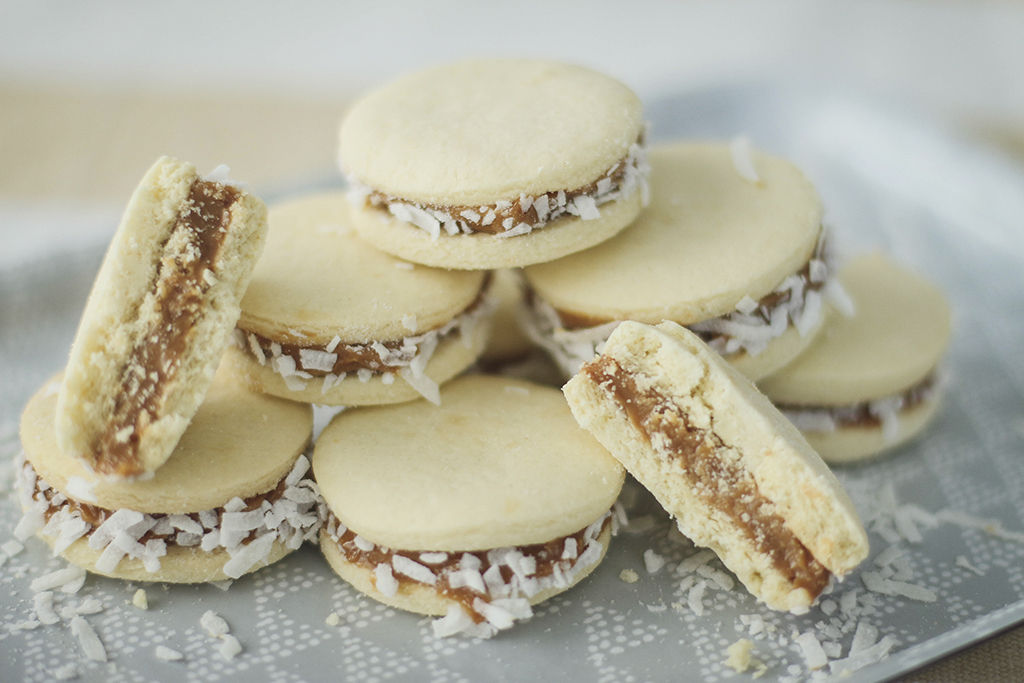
290, 513
491, 589
797, 302
521, 215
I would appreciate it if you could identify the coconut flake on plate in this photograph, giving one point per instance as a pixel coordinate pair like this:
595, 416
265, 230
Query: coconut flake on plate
90, 643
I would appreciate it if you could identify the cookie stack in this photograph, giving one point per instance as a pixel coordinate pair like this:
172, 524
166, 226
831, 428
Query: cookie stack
142, 461
472, 496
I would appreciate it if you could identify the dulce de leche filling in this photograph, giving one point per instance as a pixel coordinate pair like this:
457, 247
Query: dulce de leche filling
155, 360
523, 214
722, 485
561, 555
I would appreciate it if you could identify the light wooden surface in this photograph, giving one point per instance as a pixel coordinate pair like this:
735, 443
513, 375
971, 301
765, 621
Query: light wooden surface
68, 143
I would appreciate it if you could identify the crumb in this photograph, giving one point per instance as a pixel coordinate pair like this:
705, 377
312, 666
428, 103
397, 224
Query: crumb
739, 655
629, 576
332, 619
140, 599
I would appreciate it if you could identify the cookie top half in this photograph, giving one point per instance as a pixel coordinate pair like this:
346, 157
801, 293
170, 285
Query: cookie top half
239, 443
478, 132
500, 463
317, 280
896, 337
710, 237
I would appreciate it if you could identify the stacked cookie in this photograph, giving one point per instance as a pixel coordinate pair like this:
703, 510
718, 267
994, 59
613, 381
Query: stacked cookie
473, 497
142, 461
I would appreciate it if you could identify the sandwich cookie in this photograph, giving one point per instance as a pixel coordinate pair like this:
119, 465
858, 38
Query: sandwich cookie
234, 496
329, 319
158, 318
475, 510
737, 258
734, 473
870, 381
494, 163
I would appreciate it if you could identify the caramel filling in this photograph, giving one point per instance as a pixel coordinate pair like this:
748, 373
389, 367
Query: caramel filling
155, 360
719, 483
385, 356
870, 413
523, 214
547, 557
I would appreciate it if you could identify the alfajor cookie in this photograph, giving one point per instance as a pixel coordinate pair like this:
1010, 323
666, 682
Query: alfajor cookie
329, 319
494, 163
157, 319
734, 473
475, 510
870, 382
234, 496
739, 259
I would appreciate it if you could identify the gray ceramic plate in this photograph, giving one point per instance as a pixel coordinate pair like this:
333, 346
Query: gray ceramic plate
945, 514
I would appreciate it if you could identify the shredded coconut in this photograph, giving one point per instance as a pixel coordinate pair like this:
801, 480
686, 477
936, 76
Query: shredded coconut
634, 168
90, 643
247, 536
653, 562
409, 358
744, 330
229, 647
213, 623
166, 654
743, 159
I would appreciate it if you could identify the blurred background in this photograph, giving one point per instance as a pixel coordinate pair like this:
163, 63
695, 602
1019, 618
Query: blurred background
91, 93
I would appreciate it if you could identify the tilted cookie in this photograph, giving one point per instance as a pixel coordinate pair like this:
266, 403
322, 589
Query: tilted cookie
494, 163
157, 319
234, 496
870, 382
739, 259
475, 510
734, 473
329, 319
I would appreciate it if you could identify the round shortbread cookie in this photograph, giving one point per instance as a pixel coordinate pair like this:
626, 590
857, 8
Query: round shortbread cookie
500, 463
477, 132
851, 443
180, 564
239, 443
709, 238
317, 280
494, 163
419, 598
895, 339
564, 236
175, 271
734, 473
327, 295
